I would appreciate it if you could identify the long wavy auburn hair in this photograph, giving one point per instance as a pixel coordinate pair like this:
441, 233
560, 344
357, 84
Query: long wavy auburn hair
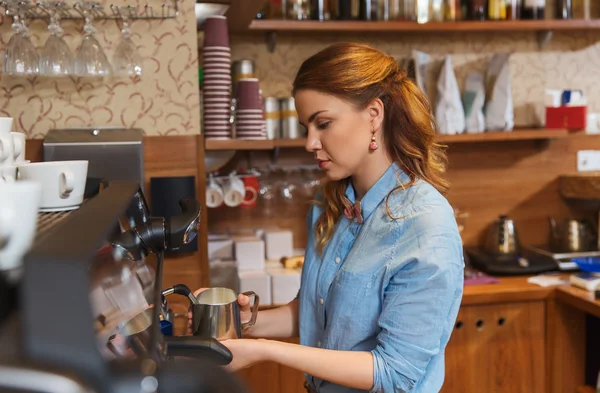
359, 74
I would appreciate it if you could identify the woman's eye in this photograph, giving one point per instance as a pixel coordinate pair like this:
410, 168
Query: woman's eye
323, 126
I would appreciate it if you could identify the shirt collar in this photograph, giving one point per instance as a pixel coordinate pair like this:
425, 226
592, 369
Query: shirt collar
392, 177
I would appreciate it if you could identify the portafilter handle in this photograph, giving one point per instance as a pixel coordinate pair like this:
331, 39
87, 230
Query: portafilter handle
183, 229
175, 232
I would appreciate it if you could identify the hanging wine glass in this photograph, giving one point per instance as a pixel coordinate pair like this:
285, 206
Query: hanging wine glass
126, 60
20, 56
56, 58
90, 59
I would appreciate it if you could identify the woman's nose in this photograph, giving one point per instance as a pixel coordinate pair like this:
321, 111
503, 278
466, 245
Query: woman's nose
312, 142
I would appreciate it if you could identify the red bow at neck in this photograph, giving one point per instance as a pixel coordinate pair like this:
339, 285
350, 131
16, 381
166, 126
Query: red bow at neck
353, 211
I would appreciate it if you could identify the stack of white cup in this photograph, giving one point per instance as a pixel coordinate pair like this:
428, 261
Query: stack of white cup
28, 188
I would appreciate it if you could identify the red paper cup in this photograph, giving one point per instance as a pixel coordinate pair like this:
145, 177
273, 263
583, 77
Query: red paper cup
215, 31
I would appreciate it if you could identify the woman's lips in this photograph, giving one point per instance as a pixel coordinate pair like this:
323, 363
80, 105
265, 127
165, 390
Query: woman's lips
323, 163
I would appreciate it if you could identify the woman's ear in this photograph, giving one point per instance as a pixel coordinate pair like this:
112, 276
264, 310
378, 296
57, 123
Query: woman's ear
375, 111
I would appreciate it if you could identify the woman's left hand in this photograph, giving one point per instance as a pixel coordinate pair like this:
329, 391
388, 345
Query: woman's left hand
246, 352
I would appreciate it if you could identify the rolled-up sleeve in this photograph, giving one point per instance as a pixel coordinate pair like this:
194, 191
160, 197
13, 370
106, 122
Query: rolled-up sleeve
419, 309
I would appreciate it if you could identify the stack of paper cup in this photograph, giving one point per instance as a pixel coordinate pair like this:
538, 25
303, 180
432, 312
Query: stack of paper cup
217, 79
249, 115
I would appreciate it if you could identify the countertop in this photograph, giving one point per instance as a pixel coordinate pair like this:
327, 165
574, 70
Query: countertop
517, 289
511, 289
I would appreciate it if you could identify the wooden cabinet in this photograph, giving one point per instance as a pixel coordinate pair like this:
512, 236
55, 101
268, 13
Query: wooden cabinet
497, 349
270, 377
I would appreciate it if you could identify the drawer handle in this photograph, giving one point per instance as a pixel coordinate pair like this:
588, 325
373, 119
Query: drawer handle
479, 323
501, 321
459, 324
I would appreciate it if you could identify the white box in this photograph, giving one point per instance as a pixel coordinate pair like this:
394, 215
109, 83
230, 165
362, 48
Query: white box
279, 244
285, 284
220, 247
250, 253
259, 282
224, 274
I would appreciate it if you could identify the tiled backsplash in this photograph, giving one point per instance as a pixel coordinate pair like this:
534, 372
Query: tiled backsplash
572, 60
164, 101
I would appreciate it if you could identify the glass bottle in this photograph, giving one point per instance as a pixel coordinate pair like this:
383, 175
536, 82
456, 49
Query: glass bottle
344, 9
533, 9
422, 11
368, 10
513, 9
478, 10
437, 10
409, 10
452, 10
497, 9
564, 9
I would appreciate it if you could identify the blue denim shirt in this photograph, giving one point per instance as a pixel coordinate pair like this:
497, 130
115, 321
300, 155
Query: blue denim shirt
389, 286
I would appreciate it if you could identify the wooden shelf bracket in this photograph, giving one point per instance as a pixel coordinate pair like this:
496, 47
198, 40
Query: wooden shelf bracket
544, 37
271, 41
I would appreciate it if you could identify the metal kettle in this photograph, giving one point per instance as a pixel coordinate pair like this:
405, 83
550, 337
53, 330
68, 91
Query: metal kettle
571, 235
502, 237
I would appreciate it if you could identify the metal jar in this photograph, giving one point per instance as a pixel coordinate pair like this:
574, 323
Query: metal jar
272, 117
290, 127
241, 69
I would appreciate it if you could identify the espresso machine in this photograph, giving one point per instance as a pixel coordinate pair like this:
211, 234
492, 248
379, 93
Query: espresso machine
86, 313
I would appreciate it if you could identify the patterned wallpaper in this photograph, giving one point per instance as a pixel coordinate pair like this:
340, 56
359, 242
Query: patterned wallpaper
164, 101
571, 60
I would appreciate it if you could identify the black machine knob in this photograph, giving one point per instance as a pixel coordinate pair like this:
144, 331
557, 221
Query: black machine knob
183, 229
159, 234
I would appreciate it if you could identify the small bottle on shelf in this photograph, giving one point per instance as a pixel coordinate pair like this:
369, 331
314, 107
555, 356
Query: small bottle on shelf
437, 10
478, 10
533, 9
422, 11
368, 10
497, 9
513, 9
452, 10
409, 10
564, 9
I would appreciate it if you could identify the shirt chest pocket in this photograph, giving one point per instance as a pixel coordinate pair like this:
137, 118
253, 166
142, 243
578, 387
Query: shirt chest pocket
354, 297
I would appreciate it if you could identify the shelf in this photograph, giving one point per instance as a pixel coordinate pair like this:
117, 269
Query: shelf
580, 186
519, 135
543, 28
276, 25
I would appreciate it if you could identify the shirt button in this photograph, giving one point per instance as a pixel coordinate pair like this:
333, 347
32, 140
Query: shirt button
337, 260
321, 301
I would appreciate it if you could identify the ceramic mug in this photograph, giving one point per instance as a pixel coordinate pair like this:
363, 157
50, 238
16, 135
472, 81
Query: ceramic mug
19, 146
233, 191
8, 174
214, 194
251, 187
19, 203
6, 142
63, 182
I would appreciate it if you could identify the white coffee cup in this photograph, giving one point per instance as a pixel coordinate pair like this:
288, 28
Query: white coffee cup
19, 203
6, 141
19, 146
8, 174
63, 182
214, 194
233, 191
